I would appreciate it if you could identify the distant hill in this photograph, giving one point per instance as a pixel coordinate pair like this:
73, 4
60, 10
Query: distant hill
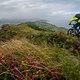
9, 21
43, 25
38, 25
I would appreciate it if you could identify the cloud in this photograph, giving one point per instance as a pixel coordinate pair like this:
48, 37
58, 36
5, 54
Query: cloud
56, 11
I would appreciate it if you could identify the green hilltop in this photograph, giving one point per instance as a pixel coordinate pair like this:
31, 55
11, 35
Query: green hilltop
44, 25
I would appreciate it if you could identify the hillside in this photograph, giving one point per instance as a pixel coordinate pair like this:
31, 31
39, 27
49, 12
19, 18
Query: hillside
30, 52
43, 25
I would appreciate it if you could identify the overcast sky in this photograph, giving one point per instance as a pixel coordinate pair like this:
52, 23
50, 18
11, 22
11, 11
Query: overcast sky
56, 11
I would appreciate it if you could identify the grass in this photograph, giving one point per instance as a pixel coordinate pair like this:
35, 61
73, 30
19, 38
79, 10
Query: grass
38, 55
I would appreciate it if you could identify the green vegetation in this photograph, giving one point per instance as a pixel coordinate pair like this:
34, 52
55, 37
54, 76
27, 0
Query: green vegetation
36, 51
43, 25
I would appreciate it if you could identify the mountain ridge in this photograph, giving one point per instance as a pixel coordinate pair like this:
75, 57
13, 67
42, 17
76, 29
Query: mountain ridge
38, 23
43, 25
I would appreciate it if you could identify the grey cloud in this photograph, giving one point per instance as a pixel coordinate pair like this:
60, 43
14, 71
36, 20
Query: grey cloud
52, 10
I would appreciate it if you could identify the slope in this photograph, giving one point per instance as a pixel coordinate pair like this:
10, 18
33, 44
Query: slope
42, 25
52, 49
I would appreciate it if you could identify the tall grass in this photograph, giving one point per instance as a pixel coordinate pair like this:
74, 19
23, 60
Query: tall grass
28, 54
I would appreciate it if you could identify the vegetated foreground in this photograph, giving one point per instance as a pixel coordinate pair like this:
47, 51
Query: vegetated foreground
32, 53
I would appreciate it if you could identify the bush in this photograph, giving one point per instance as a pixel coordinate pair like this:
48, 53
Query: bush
11, 67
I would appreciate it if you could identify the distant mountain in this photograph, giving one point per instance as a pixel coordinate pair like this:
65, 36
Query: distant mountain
39, 24
43, 25
9, 21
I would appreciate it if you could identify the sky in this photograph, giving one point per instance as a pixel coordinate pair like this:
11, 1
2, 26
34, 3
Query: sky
57, 12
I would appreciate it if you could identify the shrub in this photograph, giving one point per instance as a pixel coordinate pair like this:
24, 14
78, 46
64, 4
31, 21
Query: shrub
11, 67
